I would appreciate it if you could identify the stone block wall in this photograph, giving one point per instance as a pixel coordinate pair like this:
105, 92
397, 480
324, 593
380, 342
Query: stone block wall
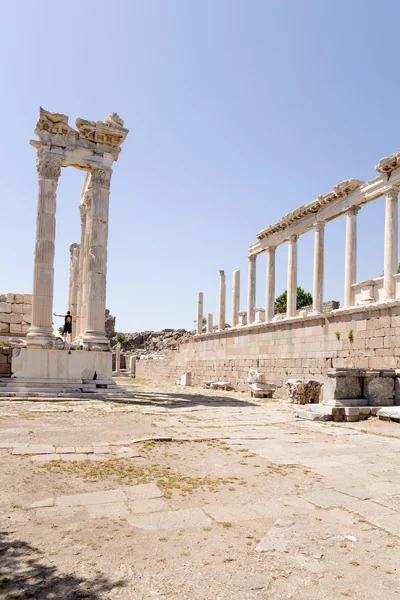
15, 314
299, 347
5, 362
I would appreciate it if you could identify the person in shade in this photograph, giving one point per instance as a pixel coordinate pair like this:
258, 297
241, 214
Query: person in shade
67, 324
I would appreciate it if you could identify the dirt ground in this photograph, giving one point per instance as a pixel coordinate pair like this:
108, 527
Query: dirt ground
182, 493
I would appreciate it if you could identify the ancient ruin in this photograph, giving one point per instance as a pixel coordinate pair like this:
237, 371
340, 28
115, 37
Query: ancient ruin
92, 147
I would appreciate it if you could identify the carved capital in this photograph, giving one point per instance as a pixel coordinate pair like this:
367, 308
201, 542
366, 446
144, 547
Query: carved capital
48, 167
320, 226
353, 210
252, 258
392, 193
101, 178
293, 239
271, 249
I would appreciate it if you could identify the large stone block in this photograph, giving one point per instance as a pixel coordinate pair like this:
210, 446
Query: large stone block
10, 298
379, 391
11, 318
5, 307
19, 298
341, 384
27, 298
4, 327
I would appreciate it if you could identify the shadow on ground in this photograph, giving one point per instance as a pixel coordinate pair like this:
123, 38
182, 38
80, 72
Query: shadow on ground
25, 573
171, 400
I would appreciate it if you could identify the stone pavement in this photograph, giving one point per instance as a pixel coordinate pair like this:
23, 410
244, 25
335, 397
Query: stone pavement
185, 494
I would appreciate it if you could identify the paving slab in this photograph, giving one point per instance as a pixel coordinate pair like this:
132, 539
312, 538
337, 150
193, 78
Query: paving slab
144, 491
110, 511
65, 449
172, 519
39, 458
34, 449
231, 513
147, 506
105, 497
42, 503
328, 498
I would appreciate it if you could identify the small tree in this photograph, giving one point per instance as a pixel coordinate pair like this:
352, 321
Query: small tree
120, 337
303, 299
61, 330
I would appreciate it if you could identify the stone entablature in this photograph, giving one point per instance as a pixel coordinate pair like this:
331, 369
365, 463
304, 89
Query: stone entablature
15, 314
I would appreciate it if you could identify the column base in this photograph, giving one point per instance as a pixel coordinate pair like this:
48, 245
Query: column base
95, 340
40, 337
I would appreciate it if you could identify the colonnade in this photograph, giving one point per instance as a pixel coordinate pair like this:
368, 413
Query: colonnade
257, 315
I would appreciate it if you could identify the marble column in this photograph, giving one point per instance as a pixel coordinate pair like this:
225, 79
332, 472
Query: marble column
222, 301
132, 366
318, 286
292, 277
85, 265
350, 268
251, 299
94, 335
391, 259
270, 295
199, 324
80, 323
41, 330
210, 326
73, 285
118, 358
235, 298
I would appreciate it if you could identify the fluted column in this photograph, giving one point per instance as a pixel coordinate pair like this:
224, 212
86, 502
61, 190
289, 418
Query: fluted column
199, 323
235, 298
88, 201
318, 287
222, 301
391, 259
73, 284
41, 330
210, 327
292, 277
251, 301
350, 269
94, 334
270, 292
80, 323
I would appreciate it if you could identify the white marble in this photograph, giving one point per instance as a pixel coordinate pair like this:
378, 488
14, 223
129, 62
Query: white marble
292, 277
270, 291
210, 326
350, 269
318, 284
222, 301
73, 285
391, 259
251, 294
235, 298
199, 324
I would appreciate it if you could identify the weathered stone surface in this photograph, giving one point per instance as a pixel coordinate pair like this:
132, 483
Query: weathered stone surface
145, 491
172, 519
338, 386
301, 391
390, 413
92, 498
303, 413
379, 390
5, 307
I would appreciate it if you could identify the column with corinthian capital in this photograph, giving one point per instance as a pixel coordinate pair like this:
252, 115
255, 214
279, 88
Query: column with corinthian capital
79, 324
270, 295
41, 330
94, 335
391, 259
251, 291
350, 267
292, 278
318, 285
73, 284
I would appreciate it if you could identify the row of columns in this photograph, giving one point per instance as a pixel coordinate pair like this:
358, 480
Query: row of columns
90, 289
350, 277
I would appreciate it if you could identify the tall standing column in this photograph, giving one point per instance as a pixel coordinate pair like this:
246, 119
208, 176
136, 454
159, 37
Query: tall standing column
85, 264
270, 295
350, 269
210, 327
292, 277
94, 334
41, 330
391, 243
318, 287
235, 298
80, 324
222, 301
199, 323
73, 284
251, 302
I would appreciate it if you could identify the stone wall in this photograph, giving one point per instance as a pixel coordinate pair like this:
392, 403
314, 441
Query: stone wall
298, 347
5, 362
15, 314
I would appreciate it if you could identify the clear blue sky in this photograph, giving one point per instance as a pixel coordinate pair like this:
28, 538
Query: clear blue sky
239, 111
